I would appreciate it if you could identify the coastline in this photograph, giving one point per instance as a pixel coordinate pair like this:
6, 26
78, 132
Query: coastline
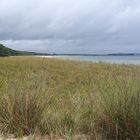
115, 59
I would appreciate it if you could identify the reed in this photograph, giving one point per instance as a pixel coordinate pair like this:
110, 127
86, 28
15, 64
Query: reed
68, 98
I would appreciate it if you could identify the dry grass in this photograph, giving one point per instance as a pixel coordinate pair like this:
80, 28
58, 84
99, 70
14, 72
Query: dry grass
66, 98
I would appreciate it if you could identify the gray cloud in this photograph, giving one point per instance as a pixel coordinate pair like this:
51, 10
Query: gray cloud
60, 26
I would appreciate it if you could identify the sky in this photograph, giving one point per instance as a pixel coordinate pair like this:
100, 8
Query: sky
71, 26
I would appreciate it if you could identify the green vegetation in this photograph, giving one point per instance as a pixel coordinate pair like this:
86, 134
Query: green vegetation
4, 51
67, 98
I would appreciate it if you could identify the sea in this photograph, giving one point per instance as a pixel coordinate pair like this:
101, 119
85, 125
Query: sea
113, 59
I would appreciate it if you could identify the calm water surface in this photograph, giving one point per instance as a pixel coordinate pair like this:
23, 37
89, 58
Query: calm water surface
129, 59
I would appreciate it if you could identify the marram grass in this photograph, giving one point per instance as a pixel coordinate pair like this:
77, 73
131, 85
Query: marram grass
67, 98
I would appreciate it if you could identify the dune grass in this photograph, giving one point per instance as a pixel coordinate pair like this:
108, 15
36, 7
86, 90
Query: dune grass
68, 98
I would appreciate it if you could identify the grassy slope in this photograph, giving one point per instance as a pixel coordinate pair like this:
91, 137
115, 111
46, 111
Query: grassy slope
69, 97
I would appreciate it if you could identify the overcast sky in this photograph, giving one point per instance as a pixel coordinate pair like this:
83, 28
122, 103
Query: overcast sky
71, 26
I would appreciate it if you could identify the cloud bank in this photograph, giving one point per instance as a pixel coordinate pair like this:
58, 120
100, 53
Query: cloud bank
81, 26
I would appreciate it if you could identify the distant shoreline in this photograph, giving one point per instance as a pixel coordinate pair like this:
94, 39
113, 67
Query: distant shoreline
112, 59
111, 54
